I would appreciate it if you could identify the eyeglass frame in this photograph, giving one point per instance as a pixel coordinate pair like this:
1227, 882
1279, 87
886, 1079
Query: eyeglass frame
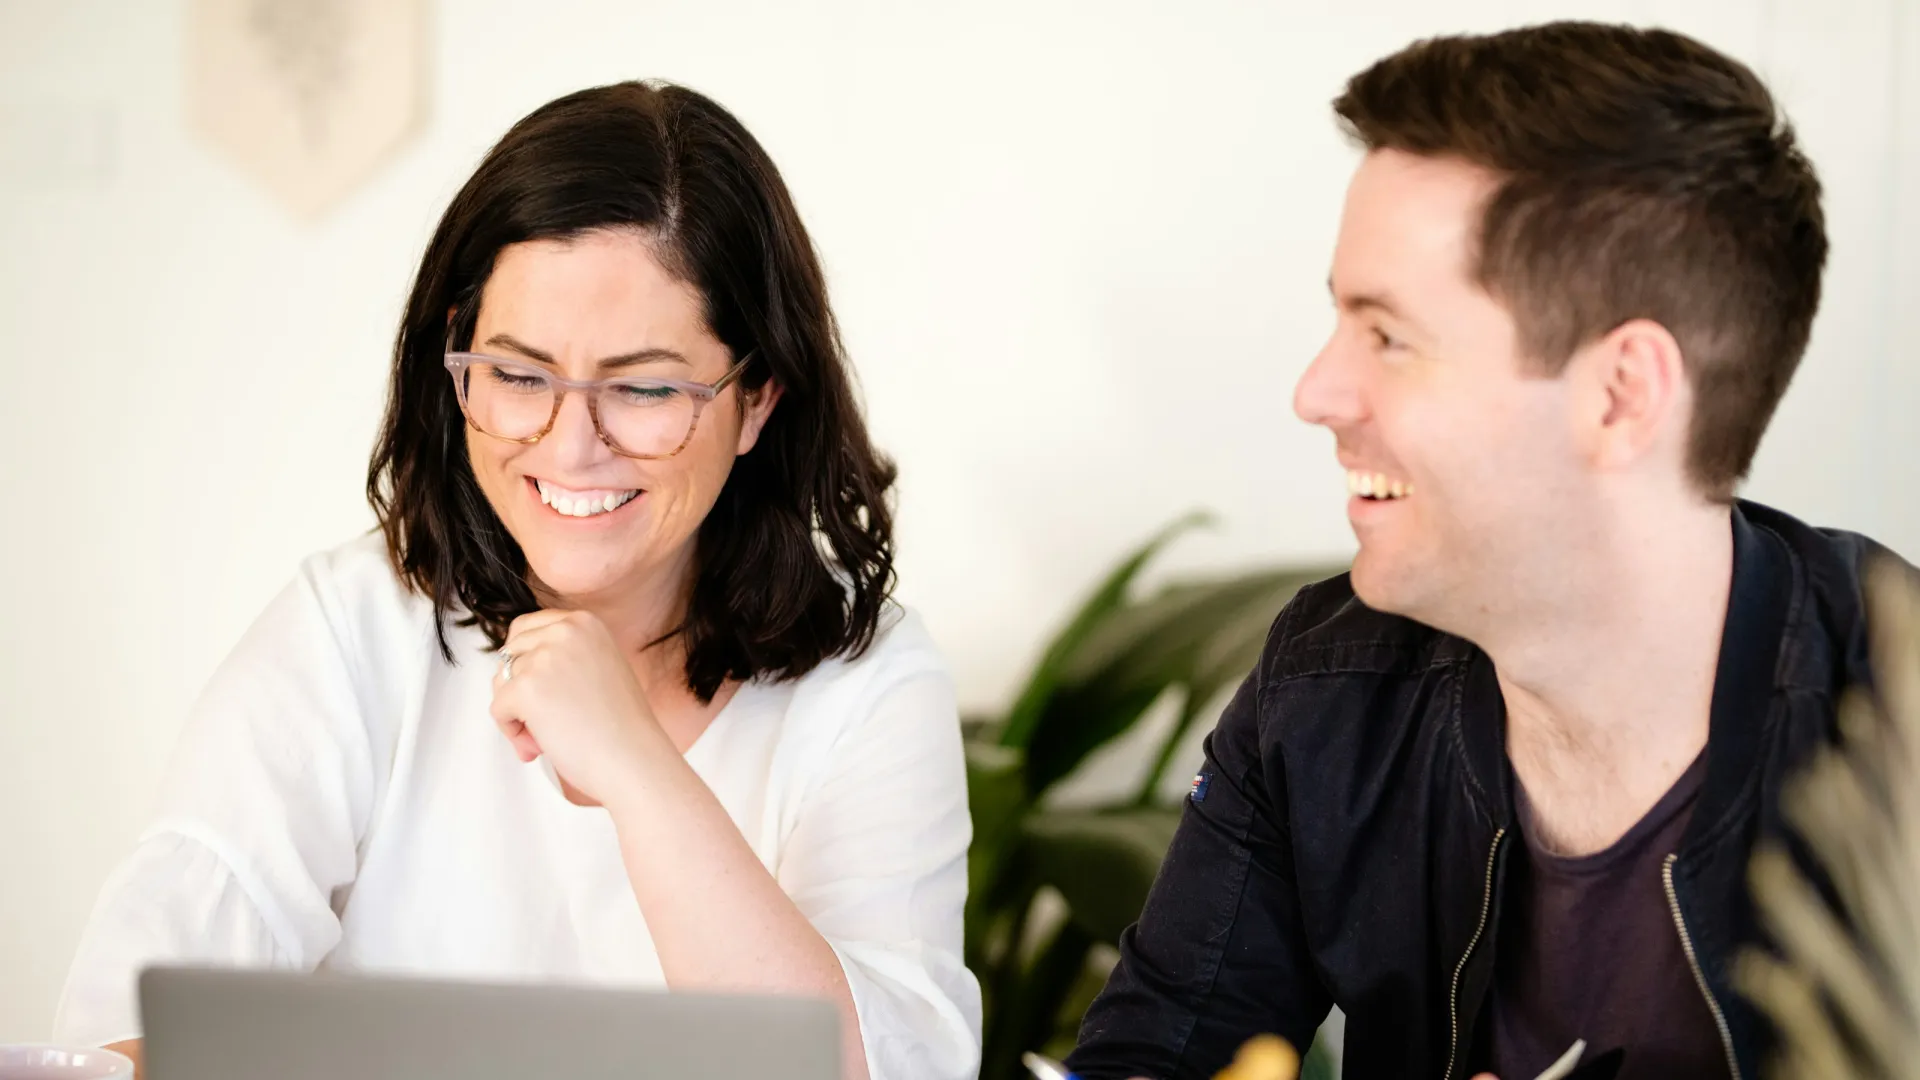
702, 394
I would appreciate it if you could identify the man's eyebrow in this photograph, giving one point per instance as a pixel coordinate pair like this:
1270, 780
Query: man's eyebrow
1358, 302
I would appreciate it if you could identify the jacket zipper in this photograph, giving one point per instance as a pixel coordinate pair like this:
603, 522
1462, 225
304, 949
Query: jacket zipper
1699, 977
1453, 992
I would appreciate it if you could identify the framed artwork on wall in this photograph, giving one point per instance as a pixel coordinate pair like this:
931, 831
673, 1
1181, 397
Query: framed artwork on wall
306, 97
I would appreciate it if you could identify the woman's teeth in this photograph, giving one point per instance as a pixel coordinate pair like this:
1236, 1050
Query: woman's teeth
582, 503
1371, 485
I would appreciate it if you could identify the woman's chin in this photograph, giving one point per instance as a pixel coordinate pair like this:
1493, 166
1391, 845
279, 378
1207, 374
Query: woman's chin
574, 579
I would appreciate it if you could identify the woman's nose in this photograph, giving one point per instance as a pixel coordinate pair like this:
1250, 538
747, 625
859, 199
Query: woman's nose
575, 439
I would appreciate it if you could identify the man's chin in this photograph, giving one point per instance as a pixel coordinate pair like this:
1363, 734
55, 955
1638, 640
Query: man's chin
1384, 586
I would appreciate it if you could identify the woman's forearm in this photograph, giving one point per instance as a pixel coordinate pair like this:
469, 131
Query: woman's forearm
719, 920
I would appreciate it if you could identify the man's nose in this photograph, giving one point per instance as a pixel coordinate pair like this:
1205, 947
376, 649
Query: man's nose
1330, 393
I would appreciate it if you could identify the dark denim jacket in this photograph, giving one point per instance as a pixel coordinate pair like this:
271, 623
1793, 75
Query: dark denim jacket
1349, 842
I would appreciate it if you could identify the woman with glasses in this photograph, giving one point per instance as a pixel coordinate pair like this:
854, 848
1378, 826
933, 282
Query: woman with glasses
631, 528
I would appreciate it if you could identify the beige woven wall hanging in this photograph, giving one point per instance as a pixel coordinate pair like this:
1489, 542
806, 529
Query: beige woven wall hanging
307, 97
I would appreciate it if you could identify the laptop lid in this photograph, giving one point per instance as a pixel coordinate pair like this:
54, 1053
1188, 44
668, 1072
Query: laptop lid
204, 1024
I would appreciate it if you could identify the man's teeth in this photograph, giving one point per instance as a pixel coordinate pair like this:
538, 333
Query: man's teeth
1371, 485
582, 503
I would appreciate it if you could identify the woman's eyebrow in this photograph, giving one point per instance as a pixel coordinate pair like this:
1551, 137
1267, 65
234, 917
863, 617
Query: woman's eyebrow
639, 356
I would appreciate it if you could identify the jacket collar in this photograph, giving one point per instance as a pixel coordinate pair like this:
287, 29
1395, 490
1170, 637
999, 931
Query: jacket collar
1743, 684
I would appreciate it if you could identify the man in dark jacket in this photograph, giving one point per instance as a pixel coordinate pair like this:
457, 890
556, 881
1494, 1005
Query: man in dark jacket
1496, 790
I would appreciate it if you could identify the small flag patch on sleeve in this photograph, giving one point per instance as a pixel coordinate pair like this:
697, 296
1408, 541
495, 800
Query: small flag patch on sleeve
1198, 793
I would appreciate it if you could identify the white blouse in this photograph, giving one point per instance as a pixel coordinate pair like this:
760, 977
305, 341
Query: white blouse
341, 799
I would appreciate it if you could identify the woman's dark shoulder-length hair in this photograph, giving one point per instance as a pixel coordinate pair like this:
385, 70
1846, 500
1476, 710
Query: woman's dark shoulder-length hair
794, 564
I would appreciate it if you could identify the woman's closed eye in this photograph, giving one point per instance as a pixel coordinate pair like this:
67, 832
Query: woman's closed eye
642, 393
515, 380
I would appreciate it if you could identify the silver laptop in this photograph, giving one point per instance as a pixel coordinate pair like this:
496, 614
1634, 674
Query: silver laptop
245, 1025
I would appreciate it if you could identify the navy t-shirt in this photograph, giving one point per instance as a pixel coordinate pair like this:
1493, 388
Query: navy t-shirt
1588, 949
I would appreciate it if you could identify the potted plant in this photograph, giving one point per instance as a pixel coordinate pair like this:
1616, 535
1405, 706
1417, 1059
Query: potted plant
1049, 886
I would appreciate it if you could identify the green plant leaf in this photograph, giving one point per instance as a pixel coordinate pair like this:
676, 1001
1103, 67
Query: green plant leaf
997, 797
996, 792
1163, 758
1002, 964
1098, 675
1197, 635
1073, 1010
975, 727
1319, 1063
1026, 1018
1106, 599
1223, 659
1102, 862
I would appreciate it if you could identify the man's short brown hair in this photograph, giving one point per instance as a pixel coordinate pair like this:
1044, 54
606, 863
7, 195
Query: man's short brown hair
1642, 175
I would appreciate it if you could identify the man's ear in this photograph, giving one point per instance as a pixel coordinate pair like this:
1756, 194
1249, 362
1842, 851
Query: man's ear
758, 408
1637, 396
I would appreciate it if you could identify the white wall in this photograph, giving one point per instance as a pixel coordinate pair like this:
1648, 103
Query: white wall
1078, 249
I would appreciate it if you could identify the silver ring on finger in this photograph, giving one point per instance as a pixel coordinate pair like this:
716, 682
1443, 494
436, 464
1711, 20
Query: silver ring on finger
506, 666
